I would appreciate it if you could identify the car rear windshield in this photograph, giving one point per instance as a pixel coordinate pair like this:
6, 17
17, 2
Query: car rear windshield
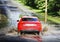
29, 19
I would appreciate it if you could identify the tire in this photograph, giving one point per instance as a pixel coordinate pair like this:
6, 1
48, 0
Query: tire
38, 33
42, 33
20, 33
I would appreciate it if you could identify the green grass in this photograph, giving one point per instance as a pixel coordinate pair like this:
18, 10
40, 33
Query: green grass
54, 19
20, 1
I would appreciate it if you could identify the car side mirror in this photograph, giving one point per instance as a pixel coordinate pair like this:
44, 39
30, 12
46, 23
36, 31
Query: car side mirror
17, 20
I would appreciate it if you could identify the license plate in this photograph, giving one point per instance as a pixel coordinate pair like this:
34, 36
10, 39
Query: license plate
29, 24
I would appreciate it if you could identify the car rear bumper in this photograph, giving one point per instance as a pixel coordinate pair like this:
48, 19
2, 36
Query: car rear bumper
30, 31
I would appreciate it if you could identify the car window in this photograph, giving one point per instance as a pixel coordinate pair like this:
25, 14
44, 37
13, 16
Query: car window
29, 19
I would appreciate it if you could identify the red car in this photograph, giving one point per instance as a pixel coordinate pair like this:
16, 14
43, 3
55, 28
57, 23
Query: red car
29, 24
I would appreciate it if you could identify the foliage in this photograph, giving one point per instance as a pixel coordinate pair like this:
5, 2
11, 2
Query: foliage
3, 20
53, 6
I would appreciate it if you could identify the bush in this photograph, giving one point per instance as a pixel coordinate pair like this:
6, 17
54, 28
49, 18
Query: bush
3, 21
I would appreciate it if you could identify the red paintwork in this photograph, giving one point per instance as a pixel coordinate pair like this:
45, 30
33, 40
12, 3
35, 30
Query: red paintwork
22, 23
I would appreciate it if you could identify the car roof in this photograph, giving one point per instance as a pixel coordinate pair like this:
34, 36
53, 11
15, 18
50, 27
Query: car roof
29, 17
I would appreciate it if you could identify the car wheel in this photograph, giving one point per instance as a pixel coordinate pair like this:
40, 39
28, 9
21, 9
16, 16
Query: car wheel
38, 33
18, 33
21, 33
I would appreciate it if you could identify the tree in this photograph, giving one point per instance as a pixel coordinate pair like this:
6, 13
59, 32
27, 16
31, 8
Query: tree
53, 6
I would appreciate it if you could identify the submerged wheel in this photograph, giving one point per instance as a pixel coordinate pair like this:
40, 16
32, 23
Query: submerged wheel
38, 33
20, 33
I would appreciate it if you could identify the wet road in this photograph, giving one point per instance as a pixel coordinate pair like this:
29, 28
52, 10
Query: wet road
52, 35
30, 38
18, 39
